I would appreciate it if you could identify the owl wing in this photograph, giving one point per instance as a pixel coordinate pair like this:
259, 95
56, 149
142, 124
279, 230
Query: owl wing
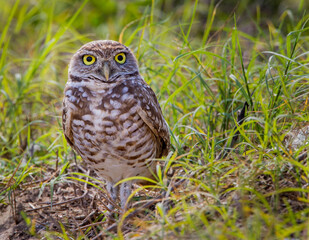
150, 112
66, 124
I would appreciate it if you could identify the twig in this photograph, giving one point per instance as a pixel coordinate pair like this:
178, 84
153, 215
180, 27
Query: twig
40, 181
88, 217
60, 203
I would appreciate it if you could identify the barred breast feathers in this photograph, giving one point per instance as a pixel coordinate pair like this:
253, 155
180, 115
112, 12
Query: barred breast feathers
133, 93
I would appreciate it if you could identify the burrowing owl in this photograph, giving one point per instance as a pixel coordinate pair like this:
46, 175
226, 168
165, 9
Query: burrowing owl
111, 117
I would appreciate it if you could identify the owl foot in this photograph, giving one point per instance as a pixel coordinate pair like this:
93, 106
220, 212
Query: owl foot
113, 193
125, 191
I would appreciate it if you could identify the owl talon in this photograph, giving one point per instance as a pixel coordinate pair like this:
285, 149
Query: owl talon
113, 192
125, 191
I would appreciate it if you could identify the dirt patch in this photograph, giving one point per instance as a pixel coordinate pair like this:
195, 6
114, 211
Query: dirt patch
58, 204
13, 227
49, 207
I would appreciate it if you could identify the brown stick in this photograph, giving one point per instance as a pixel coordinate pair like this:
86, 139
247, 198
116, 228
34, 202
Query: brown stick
56, 204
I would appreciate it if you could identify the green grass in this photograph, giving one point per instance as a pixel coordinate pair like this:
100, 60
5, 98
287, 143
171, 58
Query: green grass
204, 63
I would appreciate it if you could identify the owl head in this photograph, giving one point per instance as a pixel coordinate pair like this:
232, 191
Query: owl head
102, 60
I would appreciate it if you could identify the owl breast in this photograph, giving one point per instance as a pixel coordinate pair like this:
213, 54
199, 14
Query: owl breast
105, 128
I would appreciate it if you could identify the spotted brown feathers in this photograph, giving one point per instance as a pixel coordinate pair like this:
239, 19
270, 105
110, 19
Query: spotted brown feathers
112, 118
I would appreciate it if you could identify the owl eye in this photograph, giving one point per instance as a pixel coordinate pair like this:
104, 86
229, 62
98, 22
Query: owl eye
120, 58
88, 59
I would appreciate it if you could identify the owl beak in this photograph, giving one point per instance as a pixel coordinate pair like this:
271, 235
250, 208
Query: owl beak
106, 71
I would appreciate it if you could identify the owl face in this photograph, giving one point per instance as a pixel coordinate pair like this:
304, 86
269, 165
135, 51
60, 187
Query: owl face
103, 61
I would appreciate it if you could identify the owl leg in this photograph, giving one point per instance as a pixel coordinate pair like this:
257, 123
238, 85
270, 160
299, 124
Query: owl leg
125, 191
113, 192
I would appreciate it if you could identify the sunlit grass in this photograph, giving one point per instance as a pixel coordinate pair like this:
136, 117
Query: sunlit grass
203, 72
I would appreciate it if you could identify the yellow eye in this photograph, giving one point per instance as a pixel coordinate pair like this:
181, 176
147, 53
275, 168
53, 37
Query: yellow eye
88, 59
120, 58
